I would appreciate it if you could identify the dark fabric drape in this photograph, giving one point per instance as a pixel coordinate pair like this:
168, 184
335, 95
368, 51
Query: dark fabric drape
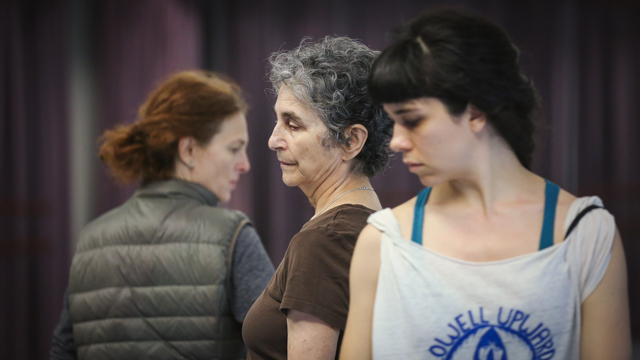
34, 223
140, 43
609, 123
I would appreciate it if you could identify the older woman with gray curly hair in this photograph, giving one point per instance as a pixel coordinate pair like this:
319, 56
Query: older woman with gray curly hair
330, 139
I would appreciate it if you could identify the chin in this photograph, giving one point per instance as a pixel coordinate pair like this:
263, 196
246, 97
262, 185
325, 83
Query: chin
289, 182
429, 180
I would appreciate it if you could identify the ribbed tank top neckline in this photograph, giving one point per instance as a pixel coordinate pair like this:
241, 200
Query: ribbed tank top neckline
551, 192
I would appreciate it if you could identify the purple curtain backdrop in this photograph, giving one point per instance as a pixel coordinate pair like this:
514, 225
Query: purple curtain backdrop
139, 44
609, 149
34, 212
582, 55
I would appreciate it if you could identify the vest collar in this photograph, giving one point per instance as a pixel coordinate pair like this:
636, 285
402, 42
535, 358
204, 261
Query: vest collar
177, 187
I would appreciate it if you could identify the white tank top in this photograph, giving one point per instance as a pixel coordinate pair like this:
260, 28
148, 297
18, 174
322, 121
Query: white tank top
430, 306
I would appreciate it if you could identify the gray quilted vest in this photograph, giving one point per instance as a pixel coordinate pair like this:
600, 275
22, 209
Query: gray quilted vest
147, 279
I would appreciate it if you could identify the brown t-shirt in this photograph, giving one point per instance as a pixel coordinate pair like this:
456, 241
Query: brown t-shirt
312, 278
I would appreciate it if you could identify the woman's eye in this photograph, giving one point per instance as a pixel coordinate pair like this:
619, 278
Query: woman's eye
292, 125
411, 123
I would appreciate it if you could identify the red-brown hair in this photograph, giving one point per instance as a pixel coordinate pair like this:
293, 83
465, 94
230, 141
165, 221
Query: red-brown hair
189, 103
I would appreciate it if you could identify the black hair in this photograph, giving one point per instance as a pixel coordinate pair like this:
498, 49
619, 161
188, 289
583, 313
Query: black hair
460, 58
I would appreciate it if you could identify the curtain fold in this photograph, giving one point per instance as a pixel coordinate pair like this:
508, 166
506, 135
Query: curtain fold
140, 43
609, 123
34, 238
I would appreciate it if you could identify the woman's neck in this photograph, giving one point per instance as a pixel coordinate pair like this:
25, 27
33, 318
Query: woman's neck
348, 189
495, 176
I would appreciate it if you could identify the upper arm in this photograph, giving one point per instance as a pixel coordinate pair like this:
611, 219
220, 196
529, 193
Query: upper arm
251, 271
309, 337
605, 332
317, 275
365, 267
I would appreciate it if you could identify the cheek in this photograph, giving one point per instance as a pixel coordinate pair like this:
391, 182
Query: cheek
443, 145
301, 148
430, 143
305, 158
230, 164
458, 147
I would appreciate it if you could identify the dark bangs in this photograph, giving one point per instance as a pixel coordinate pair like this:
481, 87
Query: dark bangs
398, 74
403, 72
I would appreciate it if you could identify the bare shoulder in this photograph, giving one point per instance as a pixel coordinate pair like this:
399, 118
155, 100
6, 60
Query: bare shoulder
404, 215
369, 238
365, 263
565, 199
405, 208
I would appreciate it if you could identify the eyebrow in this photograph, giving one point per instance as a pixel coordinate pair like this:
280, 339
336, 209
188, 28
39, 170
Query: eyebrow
403, 111
240, 142
288, 114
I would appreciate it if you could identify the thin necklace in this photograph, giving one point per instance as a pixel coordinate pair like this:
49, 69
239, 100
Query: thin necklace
341, 195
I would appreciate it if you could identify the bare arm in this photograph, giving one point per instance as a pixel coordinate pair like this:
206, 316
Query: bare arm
309, 337
606, 331
363, 282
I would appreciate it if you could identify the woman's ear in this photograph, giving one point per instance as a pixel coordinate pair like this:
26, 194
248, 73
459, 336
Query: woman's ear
357, 135
186, 148
477, 118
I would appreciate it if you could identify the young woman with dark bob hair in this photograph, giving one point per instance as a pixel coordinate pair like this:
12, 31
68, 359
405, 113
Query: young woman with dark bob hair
169, 274
489, 261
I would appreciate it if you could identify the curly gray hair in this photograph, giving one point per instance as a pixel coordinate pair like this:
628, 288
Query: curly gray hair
330, 78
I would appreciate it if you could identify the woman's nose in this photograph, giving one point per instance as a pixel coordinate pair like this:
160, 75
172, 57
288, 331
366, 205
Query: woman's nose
244, 164
275, 140
399, 141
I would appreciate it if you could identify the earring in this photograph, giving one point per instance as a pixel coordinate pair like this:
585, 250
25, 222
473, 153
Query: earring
190, 165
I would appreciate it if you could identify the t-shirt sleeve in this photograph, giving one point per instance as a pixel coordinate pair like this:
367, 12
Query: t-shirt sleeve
317, 280
252, 270
592, 247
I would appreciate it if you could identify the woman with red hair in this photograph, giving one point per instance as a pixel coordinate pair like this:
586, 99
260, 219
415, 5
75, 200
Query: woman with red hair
169, 274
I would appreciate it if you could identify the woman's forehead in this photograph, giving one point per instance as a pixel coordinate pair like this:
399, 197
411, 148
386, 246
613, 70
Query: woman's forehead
288, 97
288, 105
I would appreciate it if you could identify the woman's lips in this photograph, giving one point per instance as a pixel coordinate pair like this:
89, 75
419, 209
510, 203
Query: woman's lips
283, 163
413, 166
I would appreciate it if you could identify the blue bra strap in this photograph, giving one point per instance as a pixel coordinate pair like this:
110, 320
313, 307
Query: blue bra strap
551, 192
418, 215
